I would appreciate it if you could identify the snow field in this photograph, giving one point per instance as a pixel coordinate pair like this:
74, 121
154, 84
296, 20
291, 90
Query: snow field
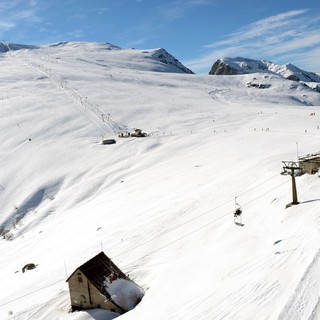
160, 207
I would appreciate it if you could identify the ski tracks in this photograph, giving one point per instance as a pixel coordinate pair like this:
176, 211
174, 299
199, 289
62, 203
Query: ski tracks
305, 300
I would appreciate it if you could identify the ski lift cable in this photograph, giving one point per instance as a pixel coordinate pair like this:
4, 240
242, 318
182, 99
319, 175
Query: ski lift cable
33, 308
180, 238
191, 232
73, 95
203, 226
192, 220
166, 245
260, 184
279, 185
171, 230
31, 292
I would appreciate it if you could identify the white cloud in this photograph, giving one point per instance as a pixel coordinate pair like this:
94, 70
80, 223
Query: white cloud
284, 35
297, 43
76, 33
6, 25
268, 25
16, 12
309, 59
26, 15
136, 42
262, 28
100, 11
176, 9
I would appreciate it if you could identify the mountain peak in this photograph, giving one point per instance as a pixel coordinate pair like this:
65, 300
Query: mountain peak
158, 60
165, 57
5, 47
240, 65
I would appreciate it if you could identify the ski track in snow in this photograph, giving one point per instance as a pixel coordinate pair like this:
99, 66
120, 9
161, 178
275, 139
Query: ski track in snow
304, 302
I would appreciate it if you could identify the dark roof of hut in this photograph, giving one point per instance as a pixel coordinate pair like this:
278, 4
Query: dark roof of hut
98, 269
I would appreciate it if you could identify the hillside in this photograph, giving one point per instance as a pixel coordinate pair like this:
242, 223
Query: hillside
160, 207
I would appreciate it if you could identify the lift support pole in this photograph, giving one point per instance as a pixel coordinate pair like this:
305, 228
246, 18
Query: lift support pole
294, 188
290, 165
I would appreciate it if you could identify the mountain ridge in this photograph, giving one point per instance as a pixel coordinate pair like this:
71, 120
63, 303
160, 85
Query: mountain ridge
163, 60
241, 65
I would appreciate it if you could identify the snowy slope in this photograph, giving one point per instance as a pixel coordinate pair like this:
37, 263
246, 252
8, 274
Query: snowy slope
161, 207
110, 55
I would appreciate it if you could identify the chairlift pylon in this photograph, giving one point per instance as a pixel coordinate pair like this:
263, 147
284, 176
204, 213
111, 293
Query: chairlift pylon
237, 213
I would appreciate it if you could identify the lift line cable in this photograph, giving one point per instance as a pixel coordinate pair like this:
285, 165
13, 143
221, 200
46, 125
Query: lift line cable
31, 292
203, 226
174, 229
260, 184
156, 250
193, 219
35, 307
168, 244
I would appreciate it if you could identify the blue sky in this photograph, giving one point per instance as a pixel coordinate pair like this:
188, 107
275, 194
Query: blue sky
197, 32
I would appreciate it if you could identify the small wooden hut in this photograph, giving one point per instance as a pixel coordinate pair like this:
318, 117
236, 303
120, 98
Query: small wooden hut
93, 285
310, 163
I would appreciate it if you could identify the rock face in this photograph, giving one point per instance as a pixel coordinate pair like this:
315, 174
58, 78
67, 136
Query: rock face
163, 56
222, 68
5, 47
239, 65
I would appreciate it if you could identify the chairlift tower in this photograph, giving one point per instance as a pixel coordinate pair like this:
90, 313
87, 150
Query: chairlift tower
292, 166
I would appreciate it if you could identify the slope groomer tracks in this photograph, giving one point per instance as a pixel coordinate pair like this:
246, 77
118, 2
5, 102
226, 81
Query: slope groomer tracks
298, 307
90, 111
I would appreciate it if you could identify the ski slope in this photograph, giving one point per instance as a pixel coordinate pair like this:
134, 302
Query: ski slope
161, 207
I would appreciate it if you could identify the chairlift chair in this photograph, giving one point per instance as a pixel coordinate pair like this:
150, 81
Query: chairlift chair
237, 214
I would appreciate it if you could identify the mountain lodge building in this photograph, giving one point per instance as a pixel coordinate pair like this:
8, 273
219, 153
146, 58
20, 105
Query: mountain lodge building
93, 285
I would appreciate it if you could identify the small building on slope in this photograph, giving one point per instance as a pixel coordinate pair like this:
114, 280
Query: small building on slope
310, 163
99, 283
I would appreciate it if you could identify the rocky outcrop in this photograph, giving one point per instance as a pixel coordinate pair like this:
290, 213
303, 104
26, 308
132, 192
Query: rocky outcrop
163, 56
239, 65
222, 68
5, 47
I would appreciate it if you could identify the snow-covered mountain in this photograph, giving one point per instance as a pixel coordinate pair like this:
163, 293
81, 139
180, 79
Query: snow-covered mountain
158, 60
239, 65
5, 47
163, 56
161, 207
161, 60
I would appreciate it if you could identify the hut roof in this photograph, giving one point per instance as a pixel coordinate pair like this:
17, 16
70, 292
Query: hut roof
98, 269
313, 157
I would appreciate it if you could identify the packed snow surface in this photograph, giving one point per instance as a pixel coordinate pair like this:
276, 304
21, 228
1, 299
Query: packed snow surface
160, 207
